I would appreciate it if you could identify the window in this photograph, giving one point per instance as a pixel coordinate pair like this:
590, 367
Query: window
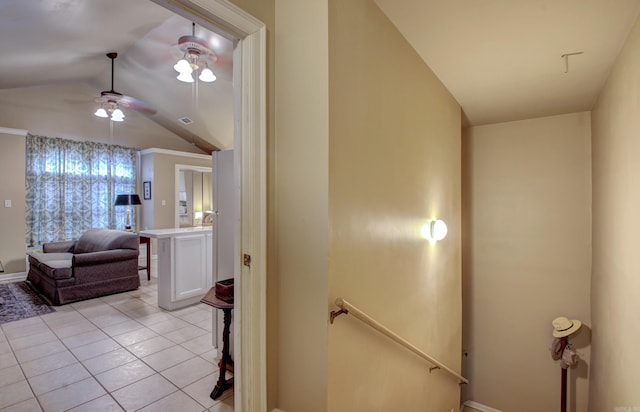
71, 186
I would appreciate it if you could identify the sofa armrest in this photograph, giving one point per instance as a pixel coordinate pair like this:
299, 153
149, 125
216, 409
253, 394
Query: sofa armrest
105, 256
59, 247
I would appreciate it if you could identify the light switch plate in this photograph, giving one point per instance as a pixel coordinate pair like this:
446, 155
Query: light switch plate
7, 203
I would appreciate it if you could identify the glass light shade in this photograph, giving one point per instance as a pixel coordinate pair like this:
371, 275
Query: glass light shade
207, 75
185, 77
438, 229
117, 115
183, 66
101, 113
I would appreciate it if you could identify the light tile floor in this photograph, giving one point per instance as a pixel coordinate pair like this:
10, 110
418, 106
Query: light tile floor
115, 353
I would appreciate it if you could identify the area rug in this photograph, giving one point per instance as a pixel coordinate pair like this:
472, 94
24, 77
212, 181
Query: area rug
19, 301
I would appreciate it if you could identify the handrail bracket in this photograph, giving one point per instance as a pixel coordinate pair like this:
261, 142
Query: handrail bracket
335, 313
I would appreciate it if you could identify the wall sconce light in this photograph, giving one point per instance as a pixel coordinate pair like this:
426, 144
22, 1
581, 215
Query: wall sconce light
434, 230
438, 229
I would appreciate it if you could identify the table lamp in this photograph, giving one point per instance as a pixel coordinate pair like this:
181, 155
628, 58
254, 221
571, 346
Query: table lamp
128, 200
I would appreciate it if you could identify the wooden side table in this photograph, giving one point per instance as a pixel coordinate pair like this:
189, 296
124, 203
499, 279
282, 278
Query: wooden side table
147, 241
225, 362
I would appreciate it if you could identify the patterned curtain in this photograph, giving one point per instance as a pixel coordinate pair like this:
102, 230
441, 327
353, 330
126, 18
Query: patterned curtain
71, 187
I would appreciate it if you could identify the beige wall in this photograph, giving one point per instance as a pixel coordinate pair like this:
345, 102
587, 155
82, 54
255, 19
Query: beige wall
616, 200
394, 156
527, 259
12, 187
160, 169
146, 214
300, 202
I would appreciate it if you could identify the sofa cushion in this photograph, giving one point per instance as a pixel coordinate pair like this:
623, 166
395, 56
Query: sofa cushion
53, 265
98, 240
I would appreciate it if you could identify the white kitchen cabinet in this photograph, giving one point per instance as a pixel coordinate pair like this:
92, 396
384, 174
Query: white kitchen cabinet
185, 272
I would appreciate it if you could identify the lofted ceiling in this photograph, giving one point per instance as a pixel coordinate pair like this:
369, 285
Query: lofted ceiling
501, 59
63, 43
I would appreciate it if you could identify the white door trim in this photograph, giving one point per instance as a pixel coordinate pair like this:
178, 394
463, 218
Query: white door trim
253, 285
250, 335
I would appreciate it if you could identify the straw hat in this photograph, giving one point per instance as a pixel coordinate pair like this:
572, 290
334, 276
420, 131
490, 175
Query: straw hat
563, 326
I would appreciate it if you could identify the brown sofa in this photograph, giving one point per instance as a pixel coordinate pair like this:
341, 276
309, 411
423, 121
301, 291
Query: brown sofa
100, 263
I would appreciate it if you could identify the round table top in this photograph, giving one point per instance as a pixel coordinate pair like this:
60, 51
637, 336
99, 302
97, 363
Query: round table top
212, 300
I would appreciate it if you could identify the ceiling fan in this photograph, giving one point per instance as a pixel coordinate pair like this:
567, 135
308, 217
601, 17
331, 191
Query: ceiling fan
111, 101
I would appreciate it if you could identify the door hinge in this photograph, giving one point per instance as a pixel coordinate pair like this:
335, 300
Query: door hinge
246, 259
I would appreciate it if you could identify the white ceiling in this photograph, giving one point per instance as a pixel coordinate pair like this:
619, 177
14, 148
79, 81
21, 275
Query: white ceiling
501, 58
63, 42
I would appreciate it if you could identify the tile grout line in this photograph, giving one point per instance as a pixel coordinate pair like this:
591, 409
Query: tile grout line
130, 316
91, 375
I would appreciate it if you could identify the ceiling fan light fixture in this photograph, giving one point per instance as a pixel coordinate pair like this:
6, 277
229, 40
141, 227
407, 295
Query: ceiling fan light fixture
207, 75
110, 100
117, 116
185, 77
193, 57
196, 58
183, 66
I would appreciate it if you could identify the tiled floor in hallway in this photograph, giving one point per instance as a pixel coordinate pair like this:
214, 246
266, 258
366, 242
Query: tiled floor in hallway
115, 353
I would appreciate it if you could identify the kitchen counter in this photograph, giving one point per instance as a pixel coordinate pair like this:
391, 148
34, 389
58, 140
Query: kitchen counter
184, 264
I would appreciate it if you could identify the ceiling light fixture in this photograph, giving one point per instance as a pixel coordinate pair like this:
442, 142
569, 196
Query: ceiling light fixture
110, 109
195, 60
108, 100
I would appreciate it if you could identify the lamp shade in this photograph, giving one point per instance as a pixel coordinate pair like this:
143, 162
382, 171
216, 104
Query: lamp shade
207, 75
185, 77
126, 200
183, 66
117, 115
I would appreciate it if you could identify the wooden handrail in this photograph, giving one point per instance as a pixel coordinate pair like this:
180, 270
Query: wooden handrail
346, 307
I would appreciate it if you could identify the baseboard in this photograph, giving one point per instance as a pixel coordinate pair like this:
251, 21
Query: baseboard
10, 277
480, 407
277, 410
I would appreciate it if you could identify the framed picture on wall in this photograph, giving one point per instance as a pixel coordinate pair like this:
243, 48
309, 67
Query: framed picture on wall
146, 187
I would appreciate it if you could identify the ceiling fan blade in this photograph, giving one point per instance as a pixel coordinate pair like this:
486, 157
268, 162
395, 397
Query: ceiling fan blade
125, 101
137, 104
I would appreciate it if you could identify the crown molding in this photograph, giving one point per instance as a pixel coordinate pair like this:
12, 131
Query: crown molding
15, 132
155, 150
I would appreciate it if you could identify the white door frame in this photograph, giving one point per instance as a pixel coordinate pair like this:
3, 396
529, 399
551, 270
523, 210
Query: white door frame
250, 150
